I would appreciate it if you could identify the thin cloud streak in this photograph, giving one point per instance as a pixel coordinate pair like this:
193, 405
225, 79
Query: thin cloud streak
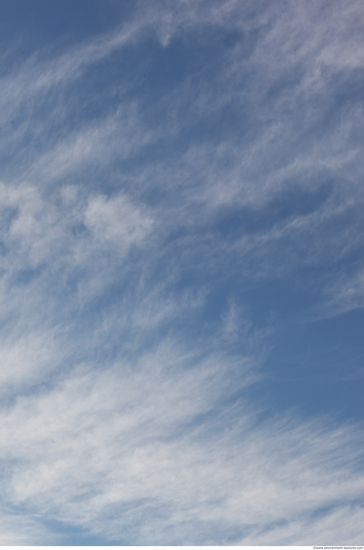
121, 425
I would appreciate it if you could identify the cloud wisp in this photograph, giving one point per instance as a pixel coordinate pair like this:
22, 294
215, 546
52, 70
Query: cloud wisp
174, 196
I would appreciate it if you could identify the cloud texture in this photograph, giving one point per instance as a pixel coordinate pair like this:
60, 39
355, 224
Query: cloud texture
176, 194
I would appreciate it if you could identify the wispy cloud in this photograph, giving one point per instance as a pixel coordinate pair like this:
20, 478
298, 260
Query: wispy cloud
136, 217
108, 450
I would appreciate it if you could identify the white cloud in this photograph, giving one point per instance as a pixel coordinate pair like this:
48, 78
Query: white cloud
110, 424
336, 527
131, 436
116, 220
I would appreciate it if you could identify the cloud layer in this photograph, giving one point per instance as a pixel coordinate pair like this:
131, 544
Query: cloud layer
158, 184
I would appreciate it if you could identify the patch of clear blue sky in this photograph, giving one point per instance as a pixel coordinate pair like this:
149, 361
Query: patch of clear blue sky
56, 23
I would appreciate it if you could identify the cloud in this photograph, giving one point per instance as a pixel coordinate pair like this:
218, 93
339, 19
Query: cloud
339, 524
140, 207
116, 221
345, 294
108, 451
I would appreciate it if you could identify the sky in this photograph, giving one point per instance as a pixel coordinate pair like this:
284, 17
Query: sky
181, 272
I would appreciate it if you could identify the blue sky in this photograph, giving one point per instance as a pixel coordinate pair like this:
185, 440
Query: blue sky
182, 273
